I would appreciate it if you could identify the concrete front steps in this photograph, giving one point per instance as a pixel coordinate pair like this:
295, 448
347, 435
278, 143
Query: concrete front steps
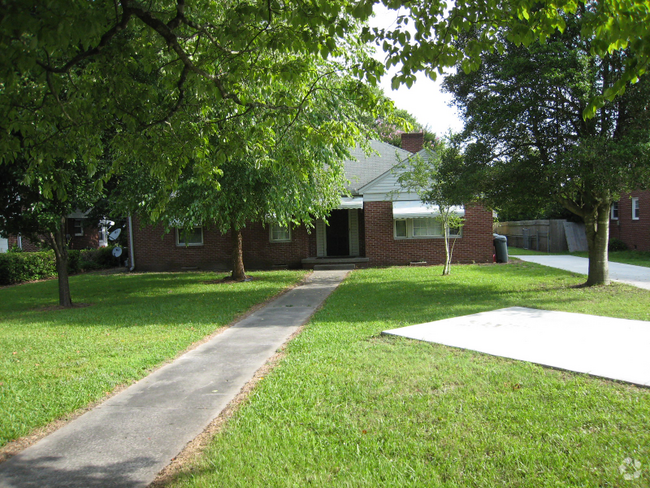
330, 264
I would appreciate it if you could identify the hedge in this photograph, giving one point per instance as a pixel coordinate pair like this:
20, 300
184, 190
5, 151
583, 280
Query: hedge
16, 267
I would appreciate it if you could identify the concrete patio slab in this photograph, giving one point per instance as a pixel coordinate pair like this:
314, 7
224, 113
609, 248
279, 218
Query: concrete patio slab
127, 440
618, 349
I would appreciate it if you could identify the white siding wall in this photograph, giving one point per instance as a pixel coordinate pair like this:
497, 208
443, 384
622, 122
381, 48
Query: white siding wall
321, 240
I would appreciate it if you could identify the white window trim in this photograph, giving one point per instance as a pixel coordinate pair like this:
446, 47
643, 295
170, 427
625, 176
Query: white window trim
271, 239
188, 244
611, 214
81, 227
635, 207
409, 231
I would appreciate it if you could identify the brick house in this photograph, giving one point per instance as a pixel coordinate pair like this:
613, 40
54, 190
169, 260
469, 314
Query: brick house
375, 226
630, 220
81, 233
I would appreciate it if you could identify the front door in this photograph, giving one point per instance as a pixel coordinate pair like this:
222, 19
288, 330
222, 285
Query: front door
338, 234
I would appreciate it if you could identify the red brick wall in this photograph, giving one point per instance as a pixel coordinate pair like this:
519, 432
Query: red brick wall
156, 251
635, 233
27, 245
90, 239
383, 249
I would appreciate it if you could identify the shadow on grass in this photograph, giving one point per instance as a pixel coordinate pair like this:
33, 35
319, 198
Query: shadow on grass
124, 300
412, 296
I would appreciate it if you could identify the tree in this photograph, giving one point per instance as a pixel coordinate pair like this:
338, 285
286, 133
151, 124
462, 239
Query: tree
253, 191
25, 210
166, 81
529, 143
435, 180
296, 179
426, 34
147, 72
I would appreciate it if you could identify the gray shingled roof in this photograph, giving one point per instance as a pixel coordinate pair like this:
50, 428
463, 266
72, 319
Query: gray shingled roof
362, 168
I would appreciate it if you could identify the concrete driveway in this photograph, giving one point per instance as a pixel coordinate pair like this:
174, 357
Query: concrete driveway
638, 276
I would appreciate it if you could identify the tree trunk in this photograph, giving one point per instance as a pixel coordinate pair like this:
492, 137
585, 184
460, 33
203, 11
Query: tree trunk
597, 230
238, 271
61, 254
446, 270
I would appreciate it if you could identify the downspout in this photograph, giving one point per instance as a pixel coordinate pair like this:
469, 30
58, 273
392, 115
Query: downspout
131, 248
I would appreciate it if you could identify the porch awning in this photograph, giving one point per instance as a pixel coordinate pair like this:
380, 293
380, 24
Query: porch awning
351, 202
419, 210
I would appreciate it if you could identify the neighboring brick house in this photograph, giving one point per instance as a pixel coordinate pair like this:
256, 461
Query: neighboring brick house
376, 226
630, 220
80, 232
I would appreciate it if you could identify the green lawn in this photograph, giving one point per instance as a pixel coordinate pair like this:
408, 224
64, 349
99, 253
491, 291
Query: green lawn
350, 407
53, 361
638, 258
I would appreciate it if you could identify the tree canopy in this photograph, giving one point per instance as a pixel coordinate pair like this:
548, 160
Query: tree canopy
70, 70
528, 142
426, 34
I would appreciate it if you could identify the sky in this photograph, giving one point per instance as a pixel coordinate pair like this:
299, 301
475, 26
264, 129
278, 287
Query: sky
425, 100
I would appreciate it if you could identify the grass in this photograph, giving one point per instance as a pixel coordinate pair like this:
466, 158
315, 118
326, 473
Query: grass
54, 361
350, 407
637, 258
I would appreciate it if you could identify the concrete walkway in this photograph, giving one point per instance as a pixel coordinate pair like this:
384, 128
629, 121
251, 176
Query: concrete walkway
638, 276
127, 440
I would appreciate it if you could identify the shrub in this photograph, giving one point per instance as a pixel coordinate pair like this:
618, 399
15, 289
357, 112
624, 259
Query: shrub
101, 258
74, 261
616, 245
16, 267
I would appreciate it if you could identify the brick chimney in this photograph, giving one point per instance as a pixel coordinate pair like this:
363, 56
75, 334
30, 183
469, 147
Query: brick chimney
413, 142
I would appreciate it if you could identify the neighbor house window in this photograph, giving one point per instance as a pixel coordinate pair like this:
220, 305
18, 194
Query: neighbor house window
78, 228
280, 233
421, 228
614, 214
189, 237
635, 209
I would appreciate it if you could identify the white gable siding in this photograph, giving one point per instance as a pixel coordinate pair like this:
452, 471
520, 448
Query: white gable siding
385, 188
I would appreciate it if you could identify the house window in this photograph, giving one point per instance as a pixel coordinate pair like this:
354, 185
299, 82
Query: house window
189, 237
614, 211
426, 228
422, 228
400, 229
280, 233
635, 209
77, 227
